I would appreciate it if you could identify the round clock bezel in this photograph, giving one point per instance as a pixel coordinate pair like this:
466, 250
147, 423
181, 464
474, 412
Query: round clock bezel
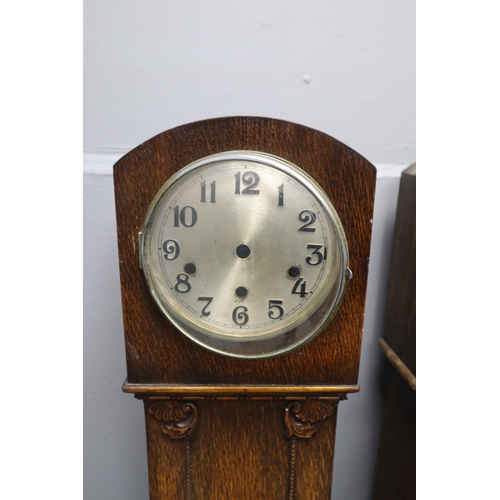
258, 348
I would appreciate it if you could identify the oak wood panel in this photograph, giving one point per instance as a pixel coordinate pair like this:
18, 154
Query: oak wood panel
315, 462
166, 462
239, 451
156, 352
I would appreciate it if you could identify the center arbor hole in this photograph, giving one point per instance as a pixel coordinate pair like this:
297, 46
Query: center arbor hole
241, 291
242, 251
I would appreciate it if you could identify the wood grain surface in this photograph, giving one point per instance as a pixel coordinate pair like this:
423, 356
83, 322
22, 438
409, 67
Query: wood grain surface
158, 354
240, 451
395, 476
224, 428
400, 315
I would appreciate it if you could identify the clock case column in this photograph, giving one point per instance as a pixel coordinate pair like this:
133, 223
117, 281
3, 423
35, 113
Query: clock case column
252, 445
243, 407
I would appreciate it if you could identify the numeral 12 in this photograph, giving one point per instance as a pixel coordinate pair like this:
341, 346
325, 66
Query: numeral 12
250, 179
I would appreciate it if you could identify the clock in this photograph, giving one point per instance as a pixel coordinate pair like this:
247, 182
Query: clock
242, 327
245, 254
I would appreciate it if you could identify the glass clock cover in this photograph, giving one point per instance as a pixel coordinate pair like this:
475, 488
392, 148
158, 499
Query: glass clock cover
245, 254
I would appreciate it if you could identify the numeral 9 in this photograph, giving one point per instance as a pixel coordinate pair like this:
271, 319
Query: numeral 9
171, 249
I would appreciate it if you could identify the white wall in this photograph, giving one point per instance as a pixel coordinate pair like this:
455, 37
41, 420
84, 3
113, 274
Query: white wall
345, 68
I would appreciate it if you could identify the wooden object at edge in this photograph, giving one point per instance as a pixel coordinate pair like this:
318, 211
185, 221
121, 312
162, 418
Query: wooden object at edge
395, 476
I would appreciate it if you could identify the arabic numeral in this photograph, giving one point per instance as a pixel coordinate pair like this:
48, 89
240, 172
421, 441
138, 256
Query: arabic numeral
171, 249
320, 257
204, 311
281, 195
187, 216
309, 217
250, 179
302, 292
203, 186
278, 312
240, 318
182, 285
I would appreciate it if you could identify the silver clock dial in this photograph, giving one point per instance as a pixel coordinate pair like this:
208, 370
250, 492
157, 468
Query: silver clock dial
245, 254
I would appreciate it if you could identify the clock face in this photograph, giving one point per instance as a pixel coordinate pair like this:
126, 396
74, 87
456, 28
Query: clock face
245, 254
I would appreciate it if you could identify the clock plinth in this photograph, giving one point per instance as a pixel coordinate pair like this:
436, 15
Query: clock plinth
219, 425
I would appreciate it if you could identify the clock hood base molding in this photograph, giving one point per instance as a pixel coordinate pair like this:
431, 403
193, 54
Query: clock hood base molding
235, 391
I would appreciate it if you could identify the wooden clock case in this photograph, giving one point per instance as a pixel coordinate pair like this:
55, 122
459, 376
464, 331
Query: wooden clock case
221, 427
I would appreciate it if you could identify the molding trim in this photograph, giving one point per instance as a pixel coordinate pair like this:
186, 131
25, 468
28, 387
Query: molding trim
227, 392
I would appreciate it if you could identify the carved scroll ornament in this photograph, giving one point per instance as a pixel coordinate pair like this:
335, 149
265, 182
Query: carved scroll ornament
178, 420
302, 419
